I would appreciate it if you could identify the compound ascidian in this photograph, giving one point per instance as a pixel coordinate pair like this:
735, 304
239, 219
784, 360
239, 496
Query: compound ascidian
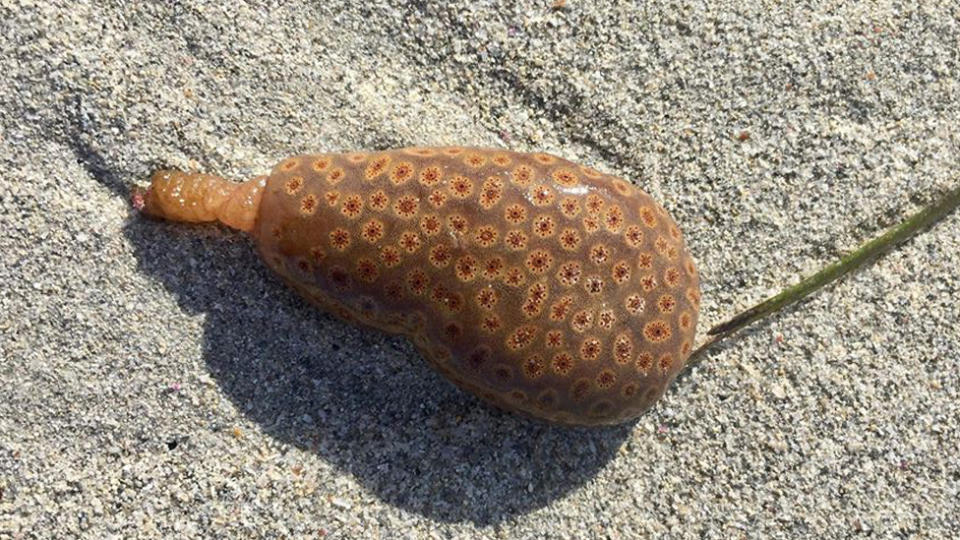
539, 285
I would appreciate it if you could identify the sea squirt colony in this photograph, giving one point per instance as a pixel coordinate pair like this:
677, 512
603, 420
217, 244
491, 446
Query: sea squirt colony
539, 285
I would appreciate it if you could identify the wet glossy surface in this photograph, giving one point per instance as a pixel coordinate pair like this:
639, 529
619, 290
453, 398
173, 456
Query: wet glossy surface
541, 286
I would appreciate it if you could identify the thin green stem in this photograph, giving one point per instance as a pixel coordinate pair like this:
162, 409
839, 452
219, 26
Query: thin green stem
848, 263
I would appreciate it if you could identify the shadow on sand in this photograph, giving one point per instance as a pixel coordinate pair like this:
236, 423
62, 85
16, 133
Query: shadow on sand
364, 401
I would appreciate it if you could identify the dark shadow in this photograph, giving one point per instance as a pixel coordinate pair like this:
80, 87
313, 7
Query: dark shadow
366, 402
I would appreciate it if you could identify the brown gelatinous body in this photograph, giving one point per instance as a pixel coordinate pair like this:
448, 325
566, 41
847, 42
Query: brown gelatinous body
539, 285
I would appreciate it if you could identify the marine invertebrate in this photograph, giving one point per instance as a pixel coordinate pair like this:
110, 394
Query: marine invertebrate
539, 285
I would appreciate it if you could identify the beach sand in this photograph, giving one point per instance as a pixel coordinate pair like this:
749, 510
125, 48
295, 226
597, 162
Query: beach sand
158, 381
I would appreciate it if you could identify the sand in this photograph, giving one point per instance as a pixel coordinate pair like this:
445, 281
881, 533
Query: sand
158, 381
